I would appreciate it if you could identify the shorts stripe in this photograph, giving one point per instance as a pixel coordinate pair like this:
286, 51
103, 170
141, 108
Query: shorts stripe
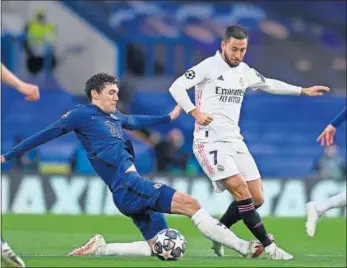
198, 106
205, 161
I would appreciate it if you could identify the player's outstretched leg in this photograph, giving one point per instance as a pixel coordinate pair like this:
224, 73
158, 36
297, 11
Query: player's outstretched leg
162, 198
211, 228
316, 209
137, 248
9, 258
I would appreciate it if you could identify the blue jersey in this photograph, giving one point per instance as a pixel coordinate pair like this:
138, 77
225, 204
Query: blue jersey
101, 135
341, 117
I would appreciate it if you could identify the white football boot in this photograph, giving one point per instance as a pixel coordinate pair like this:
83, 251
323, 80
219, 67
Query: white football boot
276, 253
218, 249
255, 248
9, 258
312, 218
90, 248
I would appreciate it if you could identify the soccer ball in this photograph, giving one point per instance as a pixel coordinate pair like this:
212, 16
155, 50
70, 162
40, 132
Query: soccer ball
169, 245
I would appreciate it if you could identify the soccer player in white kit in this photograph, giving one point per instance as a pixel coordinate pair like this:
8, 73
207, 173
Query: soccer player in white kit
316, 209
220, 82
31, 93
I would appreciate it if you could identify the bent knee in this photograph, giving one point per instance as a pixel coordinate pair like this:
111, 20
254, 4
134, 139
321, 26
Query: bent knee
258, 201
194, 204
239, 190
185, 204
189, 201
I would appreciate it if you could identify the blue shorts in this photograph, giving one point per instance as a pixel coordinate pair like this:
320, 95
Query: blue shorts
144, 201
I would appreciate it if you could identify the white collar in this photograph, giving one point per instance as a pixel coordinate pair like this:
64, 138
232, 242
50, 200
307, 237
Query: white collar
222, 62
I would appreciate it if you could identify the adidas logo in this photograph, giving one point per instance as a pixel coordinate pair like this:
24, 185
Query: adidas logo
220, 78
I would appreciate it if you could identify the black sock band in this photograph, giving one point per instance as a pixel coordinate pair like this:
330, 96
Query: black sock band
232, 215
253, 221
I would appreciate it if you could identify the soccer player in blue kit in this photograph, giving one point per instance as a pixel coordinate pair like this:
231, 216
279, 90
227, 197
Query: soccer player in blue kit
316, 209
98, 126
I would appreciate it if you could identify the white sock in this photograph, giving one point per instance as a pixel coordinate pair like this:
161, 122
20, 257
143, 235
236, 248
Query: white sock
216, 231
138, 248
335, 201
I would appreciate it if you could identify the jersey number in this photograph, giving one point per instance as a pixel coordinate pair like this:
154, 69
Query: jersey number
214, 156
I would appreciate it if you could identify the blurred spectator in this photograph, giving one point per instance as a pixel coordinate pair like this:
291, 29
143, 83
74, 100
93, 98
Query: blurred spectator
330, 165
169, 156
136, 61
193, 167
80, 163
149, 137
27, 161
40, 38
125, 96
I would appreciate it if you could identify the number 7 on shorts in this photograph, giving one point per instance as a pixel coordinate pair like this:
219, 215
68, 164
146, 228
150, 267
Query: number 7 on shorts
214, 156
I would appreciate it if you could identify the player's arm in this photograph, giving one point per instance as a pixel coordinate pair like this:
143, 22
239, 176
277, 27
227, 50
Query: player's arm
33, 141
273, 86
327, 136
31, 92
339, 119
59, 128
191, 78
133, 122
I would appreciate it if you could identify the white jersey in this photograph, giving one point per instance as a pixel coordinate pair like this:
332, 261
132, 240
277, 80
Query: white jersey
219, 90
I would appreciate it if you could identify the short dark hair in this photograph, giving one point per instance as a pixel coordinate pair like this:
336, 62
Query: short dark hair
236, 31
98, 82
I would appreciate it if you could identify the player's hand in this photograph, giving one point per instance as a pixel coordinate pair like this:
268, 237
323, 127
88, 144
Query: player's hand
3, 159
315, 91
175, 112
202, 118
326, 138
31, 92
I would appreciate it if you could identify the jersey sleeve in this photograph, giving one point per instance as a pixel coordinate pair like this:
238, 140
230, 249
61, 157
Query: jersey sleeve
70, 121
65, 124
196, 75
132, 122
339, 119
41, 137
257, 81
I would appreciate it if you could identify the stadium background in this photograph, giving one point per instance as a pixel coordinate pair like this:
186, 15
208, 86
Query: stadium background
149, 44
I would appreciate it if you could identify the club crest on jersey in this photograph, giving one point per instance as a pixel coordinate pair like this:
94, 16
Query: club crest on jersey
113, 129
242, 82
220, 168
190, 74
157, 185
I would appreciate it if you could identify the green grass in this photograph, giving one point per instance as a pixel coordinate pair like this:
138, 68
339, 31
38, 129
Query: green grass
43, 241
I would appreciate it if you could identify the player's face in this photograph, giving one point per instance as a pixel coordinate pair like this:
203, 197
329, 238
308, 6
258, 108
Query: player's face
234, 50
108, 98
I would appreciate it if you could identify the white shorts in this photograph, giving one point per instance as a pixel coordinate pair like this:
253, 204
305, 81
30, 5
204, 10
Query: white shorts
221, 160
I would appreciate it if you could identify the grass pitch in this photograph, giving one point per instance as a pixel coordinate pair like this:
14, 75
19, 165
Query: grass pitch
43, 241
